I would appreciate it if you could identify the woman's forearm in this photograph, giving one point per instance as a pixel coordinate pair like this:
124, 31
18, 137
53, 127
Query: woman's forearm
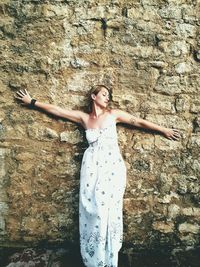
172, 134
53, 109
152, 126
73, 115
26, 99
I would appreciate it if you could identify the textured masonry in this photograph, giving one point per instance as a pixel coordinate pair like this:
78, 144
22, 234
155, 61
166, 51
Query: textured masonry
148, 52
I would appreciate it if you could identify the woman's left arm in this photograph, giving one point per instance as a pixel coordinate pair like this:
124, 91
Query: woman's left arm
125, 117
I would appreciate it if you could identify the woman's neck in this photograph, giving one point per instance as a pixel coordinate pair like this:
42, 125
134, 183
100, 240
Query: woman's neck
97, 112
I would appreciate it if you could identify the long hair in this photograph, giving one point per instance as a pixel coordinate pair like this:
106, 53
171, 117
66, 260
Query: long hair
95, 90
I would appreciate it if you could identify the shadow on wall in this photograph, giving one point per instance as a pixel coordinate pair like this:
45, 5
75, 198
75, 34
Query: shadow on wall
68, 257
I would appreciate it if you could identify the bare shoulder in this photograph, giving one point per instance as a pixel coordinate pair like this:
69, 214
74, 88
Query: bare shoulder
117, 113
123, 116
73, 115
84, 115
114, 113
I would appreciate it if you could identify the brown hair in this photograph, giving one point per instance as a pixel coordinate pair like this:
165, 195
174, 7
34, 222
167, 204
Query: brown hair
95, 90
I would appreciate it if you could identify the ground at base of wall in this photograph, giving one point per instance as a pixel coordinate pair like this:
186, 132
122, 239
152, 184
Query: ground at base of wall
62, 257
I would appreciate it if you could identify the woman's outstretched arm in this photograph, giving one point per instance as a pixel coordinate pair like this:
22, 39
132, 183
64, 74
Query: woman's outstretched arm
73, 115
125, 117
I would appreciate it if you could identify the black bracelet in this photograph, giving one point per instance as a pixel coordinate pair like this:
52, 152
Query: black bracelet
32, 104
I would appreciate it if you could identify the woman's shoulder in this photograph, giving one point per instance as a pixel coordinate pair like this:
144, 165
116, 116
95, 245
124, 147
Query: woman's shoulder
115, 112
120, 115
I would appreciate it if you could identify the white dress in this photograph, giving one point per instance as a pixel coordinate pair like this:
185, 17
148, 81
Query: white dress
102, 186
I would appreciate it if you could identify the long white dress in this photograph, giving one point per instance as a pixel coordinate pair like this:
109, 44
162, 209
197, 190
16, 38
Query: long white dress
102, 186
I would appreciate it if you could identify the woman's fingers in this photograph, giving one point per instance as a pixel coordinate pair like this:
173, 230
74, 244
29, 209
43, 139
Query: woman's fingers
175, 138
176, 131
18, 97
26, 92
173, 134
20, 93
177, 134
24, 96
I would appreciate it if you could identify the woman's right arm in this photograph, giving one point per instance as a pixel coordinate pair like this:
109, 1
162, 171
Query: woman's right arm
73, 115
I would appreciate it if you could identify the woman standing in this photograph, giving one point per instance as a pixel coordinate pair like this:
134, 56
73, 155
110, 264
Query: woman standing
102, 175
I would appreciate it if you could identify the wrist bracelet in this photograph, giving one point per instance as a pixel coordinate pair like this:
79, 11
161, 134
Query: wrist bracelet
32, 104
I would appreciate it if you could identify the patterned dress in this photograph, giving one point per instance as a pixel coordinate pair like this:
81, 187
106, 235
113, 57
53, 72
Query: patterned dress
102, 186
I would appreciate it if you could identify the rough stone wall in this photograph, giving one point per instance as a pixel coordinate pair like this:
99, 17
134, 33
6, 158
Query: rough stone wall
149, 53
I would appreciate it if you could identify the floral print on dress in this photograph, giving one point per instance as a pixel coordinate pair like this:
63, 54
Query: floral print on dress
102, 186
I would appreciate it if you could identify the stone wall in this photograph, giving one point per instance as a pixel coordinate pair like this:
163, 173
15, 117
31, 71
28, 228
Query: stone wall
148, 52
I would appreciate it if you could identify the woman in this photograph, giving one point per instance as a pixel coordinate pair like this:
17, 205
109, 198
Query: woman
102, 175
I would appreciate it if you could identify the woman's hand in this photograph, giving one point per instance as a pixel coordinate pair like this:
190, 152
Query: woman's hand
172, 134
24, 97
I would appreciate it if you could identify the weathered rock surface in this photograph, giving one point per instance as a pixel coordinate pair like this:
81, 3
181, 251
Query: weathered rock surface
148, 53
63, 256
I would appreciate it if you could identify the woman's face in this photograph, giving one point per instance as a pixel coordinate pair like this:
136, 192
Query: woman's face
102, 98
